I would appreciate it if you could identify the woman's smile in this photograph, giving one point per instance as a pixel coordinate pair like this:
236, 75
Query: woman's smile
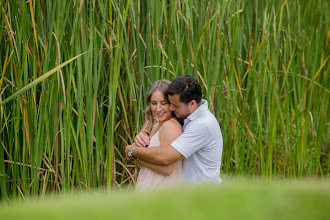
160, 114
160, 107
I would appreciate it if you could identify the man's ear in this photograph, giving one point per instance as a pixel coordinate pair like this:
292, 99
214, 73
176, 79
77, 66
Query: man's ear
193, 103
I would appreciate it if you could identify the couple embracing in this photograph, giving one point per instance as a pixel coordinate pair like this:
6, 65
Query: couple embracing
181, 140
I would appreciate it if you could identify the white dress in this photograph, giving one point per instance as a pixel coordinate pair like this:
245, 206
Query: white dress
148, 179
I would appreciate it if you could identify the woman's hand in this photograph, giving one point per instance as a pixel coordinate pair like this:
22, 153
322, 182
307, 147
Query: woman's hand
142, 139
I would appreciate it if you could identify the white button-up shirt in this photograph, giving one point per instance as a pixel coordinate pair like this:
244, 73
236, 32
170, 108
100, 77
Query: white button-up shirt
201, 145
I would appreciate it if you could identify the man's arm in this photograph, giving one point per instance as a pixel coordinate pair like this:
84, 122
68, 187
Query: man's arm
157, 155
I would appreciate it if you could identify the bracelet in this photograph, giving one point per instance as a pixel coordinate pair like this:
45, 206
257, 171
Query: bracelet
137, 160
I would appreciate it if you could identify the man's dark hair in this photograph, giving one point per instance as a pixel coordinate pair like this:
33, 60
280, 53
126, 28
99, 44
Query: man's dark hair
187, 87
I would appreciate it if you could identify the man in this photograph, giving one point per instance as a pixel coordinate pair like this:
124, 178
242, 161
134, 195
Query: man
200, 144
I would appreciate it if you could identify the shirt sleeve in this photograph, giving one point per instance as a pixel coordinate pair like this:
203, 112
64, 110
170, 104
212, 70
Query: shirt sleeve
195, 136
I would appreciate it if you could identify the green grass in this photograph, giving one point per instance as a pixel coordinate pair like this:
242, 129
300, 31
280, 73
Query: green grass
263, 65
231, 200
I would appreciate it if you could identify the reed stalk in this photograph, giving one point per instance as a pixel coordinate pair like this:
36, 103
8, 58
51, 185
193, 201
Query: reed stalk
74, 74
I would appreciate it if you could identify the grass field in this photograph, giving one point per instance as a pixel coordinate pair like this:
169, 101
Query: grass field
73, 75
231, 200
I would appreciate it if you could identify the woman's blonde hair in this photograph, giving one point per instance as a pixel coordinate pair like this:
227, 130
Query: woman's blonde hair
162, 86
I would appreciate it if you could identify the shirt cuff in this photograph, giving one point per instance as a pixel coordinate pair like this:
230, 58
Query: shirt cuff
178, 148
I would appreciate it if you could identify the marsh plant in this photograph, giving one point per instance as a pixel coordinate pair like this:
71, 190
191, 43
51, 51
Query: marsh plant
73, 75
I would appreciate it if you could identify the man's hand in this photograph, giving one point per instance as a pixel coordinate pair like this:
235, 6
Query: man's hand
126, 149
142, 139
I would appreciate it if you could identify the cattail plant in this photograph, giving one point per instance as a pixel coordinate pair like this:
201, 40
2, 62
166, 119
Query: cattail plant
74, 74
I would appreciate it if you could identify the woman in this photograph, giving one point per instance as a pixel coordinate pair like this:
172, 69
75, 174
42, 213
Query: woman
159, 121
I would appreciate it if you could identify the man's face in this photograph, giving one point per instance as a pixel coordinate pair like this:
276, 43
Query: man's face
181, 110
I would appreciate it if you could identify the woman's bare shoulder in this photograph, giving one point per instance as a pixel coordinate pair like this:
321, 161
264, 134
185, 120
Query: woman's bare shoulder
171, 124
169, 132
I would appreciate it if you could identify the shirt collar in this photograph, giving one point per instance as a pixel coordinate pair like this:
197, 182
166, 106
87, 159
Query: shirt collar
201, 108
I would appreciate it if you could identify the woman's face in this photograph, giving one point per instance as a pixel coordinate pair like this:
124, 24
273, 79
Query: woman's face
159, 106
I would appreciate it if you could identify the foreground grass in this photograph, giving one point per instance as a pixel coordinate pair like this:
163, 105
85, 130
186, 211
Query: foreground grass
232, 200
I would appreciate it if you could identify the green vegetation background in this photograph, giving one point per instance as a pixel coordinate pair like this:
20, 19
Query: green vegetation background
263, 65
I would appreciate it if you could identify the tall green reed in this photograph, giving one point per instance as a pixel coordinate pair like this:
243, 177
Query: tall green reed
263, 67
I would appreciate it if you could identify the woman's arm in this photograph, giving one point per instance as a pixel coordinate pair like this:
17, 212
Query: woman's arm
167, 134
142, 138
165, 170
170, 131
